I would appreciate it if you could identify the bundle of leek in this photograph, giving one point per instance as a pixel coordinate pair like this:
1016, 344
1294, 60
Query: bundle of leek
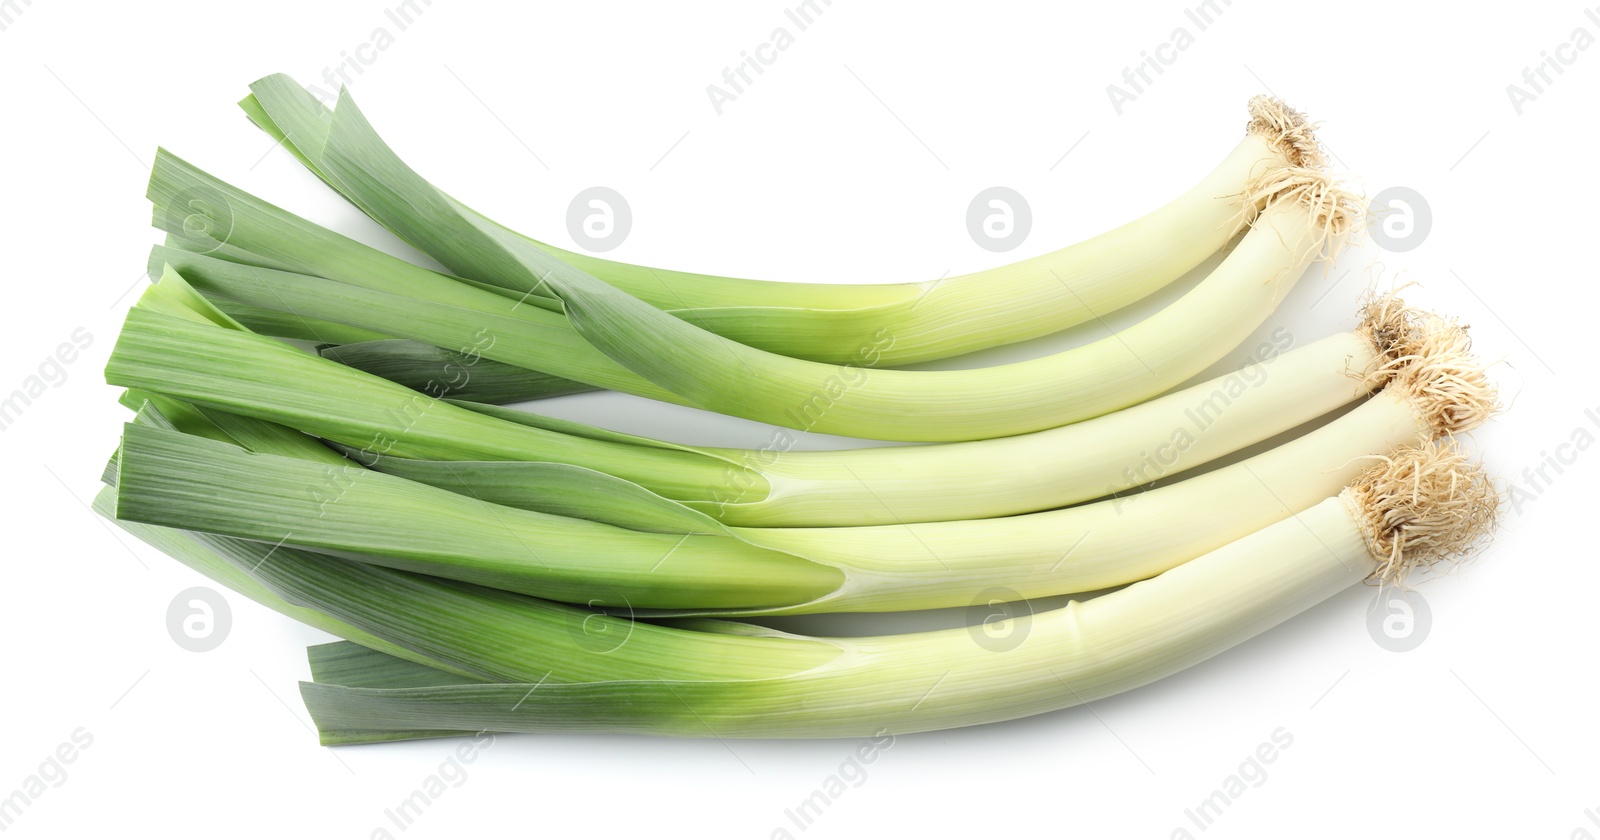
818, 321
202, 361
450, 541
610, 339
644, 552
471, 658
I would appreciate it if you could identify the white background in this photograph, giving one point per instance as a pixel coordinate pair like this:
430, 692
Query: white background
852, 158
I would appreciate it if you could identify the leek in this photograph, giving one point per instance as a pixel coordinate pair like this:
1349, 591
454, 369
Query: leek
817, 321
644, 351
493, 634
179, 481
776, 486
1418, 507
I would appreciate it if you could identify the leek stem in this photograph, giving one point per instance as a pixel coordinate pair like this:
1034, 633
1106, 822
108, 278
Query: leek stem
654, 354
823, 322
1419, 507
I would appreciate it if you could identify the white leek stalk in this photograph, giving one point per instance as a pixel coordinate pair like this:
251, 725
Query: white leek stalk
1116, 541
672, 561
819, 321
206, 363
1306, 212
1099, 457
609, 339
1417, 507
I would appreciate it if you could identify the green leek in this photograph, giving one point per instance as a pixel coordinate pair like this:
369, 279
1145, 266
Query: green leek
645, 351
1418, 507
775, 485
817, 321
180, 481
